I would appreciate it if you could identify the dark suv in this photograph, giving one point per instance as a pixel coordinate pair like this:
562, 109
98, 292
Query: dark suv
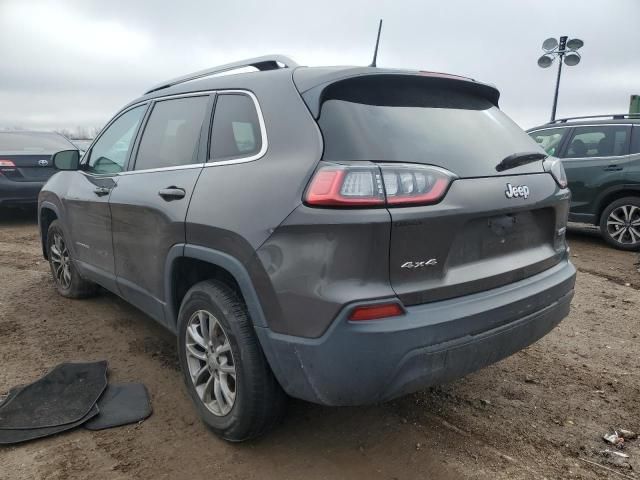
345, 235
601, 155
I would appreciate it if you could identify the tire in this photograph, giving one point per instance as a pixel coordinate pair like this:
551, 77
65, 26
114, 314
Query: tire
66, 278
237, 406
620, 224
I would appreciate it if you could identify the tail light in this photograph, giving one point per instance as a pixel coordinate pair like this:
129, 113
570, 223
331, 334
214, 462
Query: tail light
555, 168
373, 185
337, 185
6, 165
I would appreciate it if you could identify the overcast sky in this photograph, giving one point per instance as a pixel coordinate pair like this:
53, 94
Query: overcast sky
75, 63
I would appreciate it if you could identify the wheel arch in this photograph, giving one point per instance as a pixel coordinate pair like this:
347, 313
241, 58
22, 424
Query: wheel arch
189, 264
613, 194
228, 267
47, 213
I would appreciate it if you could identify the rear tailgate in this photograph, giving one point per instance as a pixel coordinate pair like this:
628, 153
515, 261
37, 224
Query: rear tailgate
477, 237
480, 235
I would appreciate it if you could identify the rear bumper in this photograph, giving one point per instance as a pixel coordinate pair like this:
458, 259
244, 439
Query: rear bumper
19, 193
369, 362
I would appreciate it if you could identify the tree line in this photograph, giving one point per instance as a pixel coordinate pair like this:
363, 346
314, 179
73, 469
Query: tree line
72, 133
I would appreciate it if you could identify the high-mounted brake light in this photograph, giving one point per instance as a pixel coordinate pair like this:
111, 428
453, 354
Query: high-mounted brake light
391, 184
375, 312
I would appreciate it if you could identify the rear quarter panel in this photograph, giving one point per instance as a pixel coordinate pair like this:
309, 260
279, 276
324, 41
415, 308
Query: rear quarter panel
631, 169
235, 208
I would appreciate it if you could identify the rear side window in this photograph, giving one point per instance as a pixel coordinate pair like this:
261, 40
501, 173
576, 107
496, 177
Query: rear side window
635, 139
236, 129
381, 118
171, 136
110, 152
549, 139
598, 141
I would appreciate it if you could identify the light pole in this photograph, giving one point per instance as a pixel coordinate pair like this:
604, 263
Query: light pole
563, 50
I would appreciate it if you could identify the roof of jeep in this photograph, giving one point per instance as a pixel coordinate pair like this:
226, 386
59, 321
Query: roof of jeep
305, 78
609, 119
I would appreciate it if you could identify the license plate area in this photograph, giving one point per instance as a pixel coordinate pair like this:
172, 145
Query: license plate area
498, 235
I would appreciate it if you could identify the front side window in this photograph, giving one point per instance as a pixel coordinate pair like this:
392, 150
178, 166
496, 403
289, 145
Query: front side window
549, 139
110, 152
171, 136
236, 128
598, 141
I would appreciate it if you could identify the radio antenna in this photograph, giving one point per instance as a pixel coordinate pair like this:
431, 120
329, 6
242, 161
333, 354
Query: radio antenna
375, 52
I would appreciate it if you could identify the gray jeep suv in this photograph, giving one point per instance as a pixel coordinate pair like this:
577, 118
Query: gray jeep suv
342, 235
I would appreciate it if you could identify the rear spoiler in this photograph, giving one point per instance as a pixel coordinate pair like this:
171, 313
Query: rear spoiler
316, 87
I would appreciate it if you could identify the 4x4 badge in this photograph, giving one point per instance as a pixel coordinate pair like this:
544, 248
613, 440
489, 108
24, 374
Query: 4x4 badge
423, 263
519, 191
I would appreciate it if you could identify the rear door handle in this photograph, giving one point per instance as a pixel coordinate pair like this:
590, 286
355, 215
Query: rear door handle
172, 193
612, 168
101, 191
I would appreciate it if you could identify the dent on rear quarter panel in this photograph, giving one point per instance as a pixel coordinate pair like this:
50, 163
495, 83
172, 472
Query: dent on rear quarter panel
235, 208
320, 260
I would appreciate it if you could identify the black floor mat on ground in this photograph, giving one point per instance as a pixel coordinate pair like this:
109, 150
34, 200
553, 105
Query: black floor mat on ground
11, 436
63, 396
120, 405
10, 394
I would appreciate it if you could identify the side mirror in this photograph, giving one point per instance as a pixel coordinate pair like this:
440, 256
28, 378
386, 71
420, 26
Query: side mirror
67, 160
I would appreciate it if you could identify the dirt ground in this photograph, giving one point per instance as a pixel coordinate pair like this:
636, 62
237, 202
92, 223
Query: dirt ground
538, 414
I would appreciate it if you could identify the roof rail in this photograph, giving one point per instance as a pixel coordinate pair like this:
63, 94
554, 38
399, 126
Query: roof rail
268, 62
614, 116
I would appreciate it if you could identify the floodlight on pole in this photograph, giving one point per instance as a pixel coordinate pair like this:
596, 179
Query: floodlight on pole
565, 50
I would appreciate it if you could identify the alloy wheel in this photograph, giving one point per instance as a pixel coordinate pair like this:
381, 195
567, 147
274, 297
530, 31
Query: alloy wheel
210, 360
61, 261
623, 224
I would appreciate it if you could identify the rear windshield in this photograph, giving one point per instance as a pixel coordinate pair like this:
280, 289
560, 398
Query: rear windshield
33, 142
456, 130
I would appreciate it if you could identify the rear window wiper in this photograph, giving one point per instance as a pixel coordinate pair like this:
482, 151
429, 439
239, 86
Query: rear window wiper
519, 159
